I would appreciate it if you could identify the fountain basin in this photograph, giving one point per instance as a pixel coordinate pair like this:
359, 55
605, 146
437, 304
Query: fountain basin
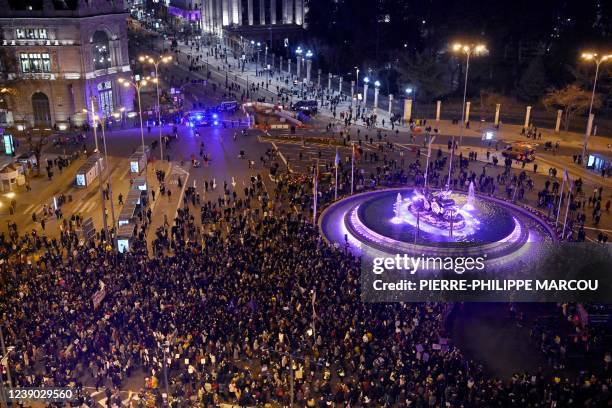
378, 223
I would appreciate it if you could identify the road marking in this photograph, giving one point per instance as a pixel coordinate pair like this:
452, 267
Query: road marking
181, 195
30, 209
597, 229
281, 156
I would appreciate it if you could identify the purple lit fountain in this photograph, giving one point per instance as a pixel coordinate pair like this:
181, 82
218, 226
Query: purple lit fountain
441, 222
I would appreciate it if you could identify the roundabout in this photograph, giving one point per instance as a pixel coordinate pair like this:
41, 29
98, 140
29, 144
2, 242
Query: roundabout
433, 222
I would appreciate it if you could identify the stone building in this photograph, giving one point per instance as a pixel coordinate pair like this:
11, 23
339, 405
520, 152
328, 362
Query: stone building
58, 56
219, 14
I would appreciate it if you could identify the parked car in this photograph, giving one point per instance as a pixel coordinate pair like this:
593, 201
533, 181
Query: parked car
309, 107
228, 106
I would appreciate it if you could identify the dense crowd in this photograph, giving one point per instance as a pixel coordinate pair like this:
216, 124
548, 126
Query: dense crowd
239, 299
245, 303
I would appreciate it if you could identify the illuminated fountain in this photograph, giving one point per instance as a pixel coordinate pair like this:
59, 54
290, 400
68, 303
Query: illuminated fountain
439, 222
469, 206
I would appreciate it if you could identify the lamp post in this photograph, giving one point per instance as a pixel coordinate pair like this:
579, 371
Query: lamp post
408, 104
138, 85
156, 63
366, 81
258, 49
468, 50
409, 90
309, 55
376, 90
95, 117
299, 52
108, 183
597, 59
356, 83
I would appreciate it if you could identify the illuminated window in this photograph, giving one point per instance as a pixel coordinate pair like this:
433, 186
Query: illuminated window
31, 34
35, 62
100, 50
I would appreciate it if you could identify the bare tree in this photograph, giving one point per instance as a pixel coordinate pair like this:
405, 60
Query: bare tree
36, 145
425, 72
572, 99
489, 101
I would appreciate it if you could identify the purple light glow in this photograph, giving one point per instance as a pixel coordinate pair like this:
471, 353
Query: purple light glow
190, 15
347, 222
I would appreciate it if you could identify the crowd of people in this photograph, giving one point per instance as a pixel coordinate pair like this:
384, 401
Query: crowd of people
246, 303
239, 299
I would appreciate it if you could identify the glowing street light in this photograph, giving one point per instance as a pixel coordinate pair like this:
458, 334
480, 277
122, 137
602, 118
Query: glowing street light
298, 52
468, 50
408, 91
598, 60
138, 85
164, 59
376, 90
309, 54
102, 120
366, 81
356, 83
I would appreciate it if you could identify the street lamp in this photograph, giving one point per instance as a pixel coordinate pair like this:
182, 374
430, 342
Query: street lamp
597, 59
468, 50
95, 118
299, 53
376, 90
161, 60
411, 93
366, 81
102, 120
138, 85
309, 55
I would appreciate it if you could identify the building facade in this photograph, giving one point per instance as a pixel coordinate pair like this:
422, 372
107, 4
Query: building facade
59, 56
220, 14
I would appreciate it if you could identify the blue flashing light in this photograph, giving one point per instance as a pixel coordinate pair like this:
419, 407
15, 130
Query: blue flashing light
215, 116
199, 117
216, 123
190, 124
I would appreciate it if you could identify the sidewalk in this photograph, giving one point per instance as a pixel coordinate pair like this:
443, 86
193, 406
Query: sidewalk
507, 132
164, 207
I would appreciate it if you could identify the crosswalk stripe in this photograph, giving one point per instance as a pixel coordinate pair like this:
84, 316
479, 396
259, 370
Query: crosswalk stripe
29, 208
90, 206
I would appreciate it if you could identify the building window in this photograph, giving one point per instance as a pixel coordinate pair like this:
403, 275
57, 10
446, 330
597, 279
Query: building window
32, 34
105, 97
101, 50
35, 62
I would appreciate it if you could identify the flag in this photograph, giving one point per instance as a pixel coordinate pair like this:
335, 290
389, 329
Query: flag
337, 158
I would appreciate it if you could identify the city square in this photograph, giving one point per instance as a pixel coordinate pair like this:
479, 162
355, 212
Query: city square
202, 201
